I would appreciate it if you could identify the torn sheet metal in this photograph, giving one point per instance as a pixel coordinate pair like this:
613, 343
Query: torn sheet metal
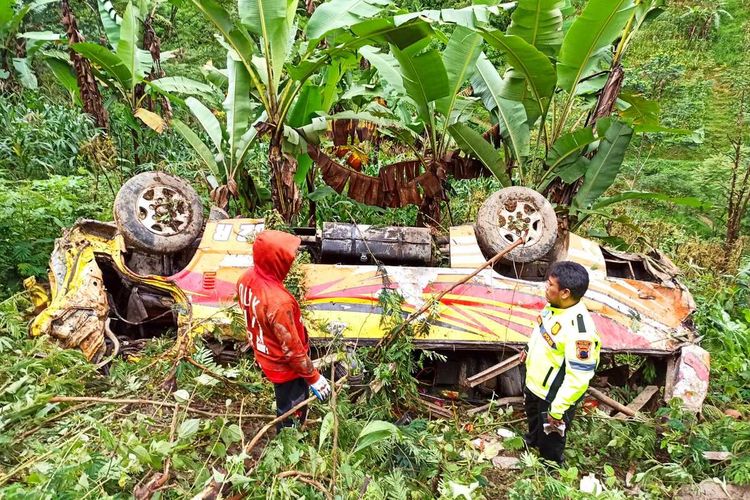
690, 380
79, 309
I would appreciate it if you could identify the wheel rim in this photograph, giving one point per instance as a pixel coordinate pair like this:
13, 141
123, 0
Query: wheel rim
163, 211
519, 219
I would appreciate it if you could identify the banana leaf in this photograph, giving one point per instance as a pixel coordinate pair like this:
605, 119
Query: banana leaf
111, 28
387, 67
641, 113
527, 60
210, 124
309, 101
65, 76
25, 75
568, 147
49, 36
604, 166
183, 85
236, 36
342, 14
127, 46
216, 76
106, 60
511, 115
539, 22
425, 79
199, 147
472, 143
459, 58
686, 201
472, 17
590, 36
237, 105
272, 21
404, 37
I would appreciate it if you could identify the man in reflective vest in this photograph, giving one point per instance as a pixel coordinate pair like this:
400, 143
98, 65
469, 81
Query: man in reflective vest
274, 325
560, 360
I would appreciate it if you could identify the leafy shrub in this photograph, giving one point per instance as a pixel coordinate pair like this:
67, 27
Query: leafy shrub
724, 321
39, 138
32, 215
703, 22
656, 76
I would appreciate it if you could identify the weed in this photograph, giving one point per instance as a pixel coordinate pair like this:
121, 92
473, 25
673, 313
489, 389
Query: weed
32, 215
39, 138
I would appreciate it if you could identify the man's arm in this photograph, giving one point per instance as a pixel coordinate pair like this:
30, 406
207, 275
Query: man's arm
292, 350
581, 358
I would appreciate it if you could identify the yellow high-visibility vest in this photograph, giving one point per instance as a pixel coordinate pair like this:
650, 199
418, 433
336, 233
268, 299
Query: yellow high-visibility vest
563, 353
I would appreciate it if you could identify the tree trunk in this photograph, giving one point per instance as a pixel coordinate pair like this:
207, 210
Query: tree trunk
429, 212
91, 99
136, 146
152, 43
284, 192
172, 21
559, 192
730, 244
433, 194
310, 179
605, 104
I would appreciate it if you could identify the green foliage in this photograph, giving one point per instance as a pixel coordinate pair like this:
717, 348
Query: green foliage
17, 49
39, 138
104, 450
32, 215
724, 319
703, 22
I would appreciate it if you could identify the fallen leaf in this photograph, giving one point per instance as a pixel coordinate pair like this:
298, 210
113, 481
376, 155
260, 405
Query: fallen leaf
151, 119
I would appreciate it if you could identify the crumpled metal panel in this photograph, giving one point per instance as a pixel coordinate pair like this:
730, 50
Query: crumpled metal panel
690, 382
77, 313
79, 307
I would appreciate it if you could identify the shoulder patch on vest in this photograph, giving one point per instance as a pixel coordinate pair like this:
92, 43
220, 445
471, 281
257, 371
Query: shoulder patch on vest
555, 328
549, 340
539, 320
583, 349
581, 324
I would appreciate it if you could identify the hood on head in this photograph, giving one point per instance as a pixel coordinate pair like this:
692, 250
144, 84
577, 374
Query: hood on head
273, 253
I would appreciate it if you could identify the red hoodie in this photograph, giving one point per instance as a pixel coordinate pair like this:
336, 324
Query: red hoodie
274, 325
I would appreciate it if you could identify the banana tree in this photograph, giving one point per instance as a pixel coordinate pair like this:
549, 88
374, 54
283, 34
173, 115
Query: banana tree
549, 72
229, 143
280, 69
17, 49
432, 82
427, 110
124, 71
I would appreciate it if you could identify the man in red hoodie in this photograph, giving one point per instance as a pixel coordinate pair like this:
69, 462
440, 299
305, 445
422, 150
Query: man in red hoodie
274, 325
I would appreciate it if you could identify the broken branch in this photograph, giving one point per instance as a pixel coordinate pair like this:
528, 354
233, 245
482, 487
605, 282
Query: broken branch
494, 371
131, 401
496, 403
438, 410
307, 479
611, 402
280, 418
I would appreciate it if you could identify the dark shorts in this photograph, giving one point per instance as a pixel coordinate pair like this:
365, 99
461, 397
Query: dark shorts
288, 395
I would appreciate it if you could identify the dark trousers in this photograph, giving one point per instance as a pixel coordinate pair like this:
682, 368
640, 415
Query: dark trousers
552, 445
288, 395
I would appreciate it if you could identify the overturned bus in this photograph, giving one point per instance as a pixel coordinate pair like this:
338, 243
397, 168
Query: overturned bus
161, 266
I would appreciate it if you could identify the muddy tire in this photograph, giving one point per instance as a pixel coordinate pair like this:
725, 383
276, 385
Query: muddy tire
508, 214
158, 212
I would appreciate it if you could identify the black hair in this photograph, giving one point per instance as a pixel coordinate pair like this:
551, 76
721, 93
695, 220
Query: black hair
570, 275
